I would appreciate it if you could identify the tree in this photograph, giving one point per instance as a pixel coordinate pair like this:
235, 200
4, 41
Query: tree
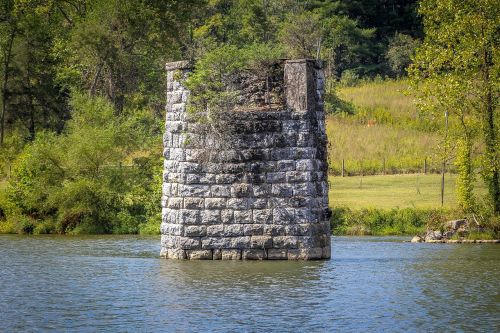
457, 70
401, 49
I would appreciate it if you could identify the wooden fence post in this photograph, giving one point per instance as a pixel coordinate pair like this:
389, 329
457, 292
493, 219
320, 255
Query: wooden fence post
343, 168
425, 166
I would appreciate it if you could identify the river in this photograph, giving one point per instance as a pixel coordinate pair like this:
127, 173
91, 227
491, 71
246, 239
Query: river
118, 283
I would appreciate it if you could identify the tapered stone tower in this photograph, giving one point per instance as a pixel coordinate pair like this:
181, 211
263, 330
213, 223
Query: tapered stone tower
260, 191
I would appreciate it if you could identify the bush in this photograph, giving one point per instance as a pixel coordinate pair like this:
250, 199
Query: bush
379, 222
75, 182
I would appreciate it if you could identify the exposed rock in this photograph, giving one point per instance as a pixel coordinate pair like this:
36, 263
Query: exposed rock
456, 224
417, 239
433, 235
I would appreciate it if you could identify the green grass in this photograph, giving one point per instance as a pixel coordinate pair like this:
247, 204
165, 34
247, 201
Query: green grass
382, 133
389, 95
394, 191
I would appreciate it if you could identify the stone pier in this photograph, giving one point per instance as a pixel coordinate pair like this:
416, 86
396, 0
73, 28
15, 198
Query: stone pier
256, 189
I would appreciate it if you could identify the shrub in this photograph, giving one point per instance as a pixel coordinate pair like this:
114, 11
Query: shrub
380, 222
75, 182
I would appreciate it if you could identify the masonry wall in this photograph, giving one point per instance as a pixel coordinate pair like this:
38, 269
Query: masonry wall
255, 189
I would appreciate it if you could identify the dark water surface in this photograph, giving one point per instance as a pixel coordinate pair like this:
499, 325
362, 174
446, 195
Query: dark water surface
118, 283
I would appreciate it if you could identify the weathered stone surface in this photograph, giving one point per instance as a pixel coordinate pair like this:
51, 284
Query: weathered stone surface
230, 254
217, 254
256, 187
305, 254
261, 242
254, 254
176, 254
286, 242
455, 224
199, 254
195, 230
277, 254
417, 239
194, 203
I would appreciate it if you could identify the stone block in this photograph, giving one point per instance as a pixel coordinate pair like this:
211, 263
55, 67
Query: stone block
282, 190
171, 229
261, 242
276, 177
189, 243
195, 230
225, 179
285, 165
215, 203
232, 230
298, 176
240, 242
241, 190
190, 190
304, 165
242, 216
305, 254
223, 191
309, 241
177, 154
189, 216
277, 254
238, 203
215, 243
304, 189
194, 203
283, 215
258, 203
262, 216
211, 217
217, 254
254, 254
261, 190
231, 254
175, 203
215, 230
199, 254
204, 178
169, 241
169, 215
274, 230
305, 215
285, 242
196, 155
176, 254
227, 216
326, 252
253, 229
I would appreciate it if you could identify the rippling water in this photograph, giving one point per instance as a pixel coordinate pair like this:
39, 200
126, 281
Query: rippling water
118, 283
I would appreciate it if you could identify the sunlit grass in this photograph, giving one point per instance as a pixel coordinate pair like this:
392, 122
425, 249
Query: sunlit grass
365, 149
394, 191
389, 94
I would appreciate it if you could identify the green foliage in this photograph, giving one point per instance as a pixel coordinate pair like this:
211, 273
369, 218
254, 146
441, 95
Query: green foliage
456, 72
78, 179
301, 35
214, 83
379, 222
399, 53
465, 179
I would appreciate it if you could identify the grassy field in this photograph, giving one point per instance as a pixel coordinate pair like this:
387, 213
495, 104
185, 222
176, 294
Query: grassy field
389, 95
382, 133
394, 191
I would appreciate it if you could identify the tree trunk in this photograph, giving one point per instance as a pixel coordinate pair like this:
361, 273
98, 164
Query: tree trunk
490, 140
6, 62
